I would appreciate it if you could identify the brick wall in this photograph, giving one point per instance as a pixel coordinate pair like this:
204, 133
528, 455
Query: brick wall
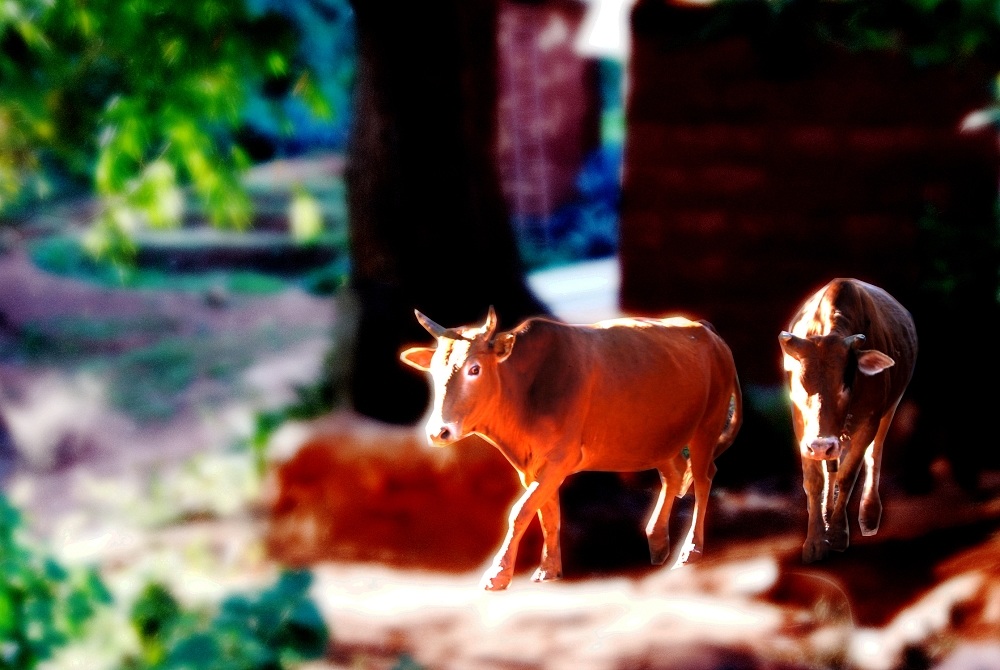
757, 167
548, 109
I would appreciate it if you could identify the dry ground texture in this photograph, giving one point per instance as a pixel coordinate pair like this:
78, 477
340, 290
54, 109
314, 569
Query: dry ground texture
397, 534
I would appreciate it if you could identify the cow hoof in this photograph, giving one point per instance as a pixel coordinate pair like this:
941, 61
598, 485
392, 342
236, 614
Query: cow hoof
690, 554
495, 579
546, 575
659, 556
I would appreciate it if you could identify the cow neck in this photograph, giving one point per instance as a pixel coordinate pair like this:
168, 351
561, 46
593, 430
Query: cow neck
504, 426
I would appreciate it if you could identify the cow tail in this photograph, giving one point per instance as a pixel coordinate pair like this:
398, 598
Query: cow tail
735, 419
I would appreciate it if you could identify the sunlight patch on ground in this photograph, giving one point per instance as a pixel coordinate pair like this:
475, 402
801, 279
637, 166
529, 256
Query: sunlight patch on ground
449, 622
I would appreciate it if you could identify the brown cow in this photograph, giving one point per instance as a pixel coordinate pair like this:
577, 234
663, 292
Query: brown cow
618, 395
849, 353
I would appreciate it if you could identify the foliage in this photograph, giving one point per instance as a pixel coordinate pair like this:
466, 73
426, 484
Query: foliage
43, 605
140, 98
273, 630
926, 31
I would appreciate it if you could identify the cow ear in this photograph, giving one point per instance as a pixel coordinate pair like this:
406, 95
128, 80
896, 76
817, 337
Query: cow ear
503, 344
418, 357
872, 362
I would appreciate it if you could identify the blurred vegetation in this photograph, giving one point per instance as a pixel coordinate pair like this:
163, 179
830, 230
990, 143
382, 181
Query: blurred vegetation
43, 605
276, 629
46, 608
138, 100
929, 32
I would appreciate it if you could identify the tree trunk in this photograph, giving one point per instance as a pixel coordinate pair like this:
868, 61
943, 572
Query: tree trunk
429, 226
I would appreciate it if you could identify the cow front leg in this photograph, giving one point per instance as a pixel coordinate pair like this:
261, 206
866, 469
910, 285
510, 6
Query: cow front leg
870, 512
816, 546
658, 526
497, 577
549, 518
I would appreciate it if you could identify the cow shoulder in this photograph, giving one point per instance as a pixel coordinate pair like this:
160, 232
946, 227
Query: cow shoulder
544, 366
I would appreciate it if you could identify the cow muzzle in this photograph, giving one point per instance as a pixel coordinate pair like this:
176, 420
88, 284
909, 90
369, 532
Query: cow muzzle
821, 449
441, 435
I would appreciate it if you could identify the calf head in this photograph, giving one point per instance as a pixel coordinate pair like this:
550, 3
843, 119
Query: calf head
464, 377
822, 373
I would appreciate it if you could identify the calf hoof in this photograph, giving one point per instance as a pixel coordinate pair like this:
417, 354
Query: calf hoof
546, 575
815, 550
839, 539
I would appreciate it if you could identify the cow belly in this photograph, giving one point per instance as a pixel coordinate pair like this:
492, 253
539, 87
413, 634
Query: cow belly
630, 437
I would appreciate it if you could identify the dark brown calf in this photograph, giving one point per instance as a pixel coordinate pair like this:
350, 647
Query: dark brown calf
849, 352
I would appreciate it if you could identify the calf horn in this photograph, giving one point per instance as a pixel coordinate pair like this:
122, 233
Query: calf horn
430, 326
854, 341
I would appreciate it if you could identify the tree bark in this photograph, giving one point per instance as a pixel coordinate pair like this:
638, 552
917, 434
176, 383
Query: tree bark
429, 226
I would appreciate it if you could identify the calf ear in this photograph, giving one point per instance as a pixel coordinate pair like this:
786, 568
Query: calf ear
418, 357
872, 361
503, 344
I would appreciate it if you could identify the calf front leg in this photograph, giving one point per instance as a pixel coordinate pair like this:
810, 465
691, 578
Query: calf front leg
537, 493
816, 546
838, 530
870, 513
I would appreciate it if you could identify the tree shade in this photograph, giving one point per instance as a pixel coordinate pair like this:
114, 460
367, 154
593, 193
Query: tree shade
429, 226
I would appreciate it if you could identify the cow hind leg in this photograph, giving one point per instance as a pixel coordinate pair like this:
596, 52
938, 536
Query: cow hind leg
658, 527
551, 565
702, 472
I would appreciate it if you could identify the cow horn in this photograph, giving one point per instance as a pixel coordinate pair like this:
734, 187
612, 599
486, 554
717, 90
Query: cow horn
854, 341
430, 326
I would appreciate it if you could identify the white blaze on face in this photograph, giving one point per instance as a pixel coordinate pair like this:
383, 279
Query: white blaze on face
449, 357
816, 410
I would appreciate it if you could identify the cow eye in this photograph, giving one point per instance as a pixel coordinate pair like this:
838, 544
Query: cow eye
473, 370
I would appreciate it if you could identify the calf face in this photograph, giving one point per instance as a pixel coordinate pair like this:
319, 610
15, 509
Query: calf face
822, 370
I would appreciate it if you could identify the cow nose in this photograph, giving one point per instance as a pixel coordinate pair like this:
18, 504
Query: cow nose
442, 435
823, 448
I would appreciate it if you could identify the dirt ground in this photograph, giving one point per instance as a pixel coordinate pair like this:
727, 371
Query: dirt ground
397, 535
